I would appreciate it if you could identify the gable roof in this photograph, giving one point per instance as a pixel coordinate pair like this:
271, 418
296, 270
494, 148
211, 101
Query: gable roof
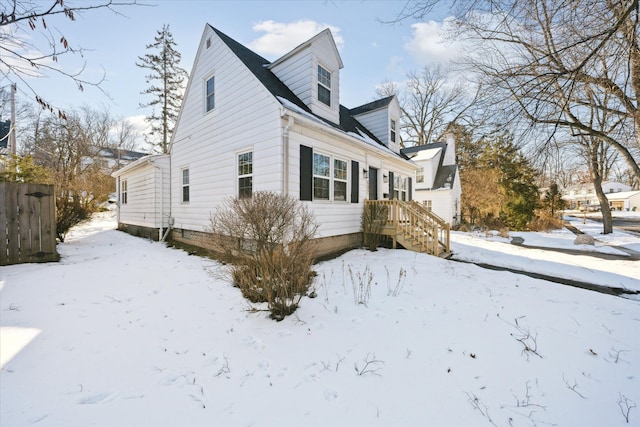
260, 67
373, 105
445, 174
306, 44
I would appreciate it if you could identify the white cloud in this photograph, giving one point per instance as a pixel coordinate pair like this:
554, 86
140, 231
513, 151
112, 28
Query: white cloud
429, 45
281, 37
395, 65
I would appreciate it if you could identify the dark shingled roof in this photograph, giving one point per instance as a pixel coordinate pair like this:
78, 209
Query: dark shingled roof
371, 106
445, 174
124, 154
258, 66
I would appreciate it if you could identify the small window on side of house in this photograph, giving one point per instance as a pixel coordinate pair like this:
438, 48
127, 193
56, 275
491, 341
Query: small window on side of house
428, 204
208, 42
393, 131
245, 174
123, 192
420, 175
185, 185
210, 95
324, 85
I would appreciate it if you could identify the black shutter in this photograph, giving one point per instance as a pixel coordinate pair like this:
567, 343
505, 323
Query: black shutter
355, 181
410, 195
390, 185
306, 173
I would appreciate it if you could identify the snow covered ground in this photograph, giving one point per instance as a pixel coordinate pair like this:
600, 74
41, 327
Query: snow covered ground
127, 332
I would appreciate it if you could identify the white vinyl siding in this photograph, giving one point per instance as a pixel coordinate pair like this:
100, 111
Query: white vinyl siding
147, 188
245, 115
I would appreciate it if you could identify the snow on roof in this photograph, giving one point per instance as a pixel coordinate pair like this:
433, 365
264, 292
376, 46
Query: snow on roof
359, 135
622, 194
426, 154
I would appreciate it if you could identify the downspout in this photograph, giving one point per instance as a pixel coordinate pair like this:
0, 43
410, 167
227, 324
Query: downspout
285, 155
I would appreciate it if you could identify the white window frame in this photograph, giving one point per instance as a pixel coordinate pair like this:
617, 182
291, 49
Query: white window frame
428, 204
400, 187
243, 174
332, 178
324, 81
420, 176
208, 95
185, 185
124, 194
392, 128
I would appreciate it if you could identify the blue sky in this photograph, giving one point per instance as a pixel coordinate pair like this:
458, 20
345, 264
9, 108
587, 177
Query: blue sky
371, 51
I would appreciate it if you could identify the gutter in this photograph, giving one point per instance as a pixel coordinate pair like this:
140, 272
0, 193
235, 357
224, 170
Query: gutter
285, 154
338, 133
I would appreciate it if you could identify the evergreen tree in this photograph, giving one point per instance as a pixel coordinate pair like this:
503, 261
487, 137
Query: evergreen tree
498, 183
166, 78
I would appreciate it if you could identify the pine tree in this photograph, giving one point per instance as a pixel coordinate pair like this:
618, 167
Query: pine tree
166, 78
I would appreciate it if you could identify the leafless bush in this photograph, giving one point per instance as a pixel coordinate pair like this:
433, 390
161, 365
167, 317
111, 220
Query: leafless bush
395, 290
361, 285
626, 405
374, 217
268, 243
545, 221
371, 365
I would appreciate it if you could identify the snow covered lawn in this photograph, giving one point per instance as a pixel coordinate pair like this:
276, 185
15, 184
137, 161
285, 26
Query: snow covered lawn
127, 332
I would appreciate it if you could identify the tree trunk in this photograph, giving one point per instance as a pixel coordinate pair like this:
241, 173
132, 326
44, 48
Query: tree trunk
607, 221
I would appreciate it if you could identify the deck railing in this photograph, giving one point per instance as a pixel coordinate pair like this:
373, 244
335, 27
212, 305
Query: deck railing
416, 225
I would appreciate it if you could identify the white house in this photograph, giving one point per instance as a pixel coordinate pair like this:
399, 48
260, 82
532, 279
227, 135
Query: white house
437, 183
581, 196
624, 200
247, 124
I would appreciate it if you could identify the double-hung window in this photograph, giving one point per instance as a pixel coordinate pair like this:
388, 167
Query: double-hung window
324, 85
123, 191
321, 176
393, 130
420, 175
400, 187
185, 185
340, 180
245, 174
210, 95
330, 178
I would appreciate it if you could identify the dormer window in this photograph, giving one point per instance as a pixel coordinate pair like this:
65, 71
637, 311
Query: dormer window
393, 130
324, 85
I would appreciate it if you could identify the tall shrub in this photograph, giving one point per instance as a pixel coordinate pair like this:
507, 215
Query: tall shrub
268, 243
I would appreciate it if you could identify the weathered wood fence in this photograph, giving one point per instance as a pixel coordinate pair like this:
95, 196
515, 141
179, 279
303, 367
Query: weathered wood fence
27, 223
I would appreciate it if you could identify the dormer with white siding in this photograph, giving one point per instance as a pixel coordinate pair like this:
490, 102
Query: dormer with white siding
312, 72
382, 118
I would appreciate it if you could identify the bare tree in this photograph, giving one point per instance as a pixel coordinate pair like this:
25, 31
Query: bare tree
555, 62
429, 100
21, 57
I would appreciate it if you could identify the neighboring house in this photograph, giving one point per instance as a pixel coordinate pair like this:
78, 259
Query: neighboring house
583, 196
437, 184
111, 159
624, 200
247, 125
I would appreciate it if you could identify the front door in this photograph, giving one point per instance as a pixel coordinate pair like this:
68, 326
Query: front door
373, 183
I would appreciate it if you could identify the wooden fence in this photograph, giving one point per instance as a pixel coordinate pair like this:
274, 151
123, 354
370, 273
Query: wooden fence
27, 223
